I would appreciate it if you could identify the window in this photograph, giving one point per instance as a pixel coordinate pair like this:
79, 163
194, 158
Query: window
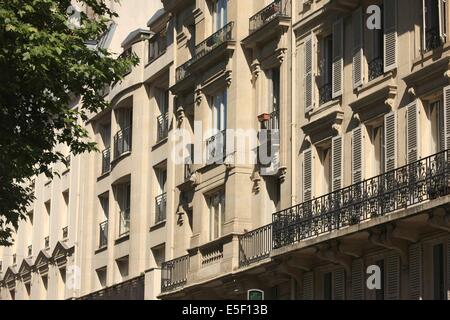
159, 254
436, 118
161, 199
439, 292
123, 266
28, 288
434, 23
216, 144
104, 205
157, 45
326, 69
219, 14
376, 61
104, 216
163, 118
217, 215
327, 286
122, 139
325, 174
105, 134
377, 139
273, 76
101, 275
218, 104
123, 199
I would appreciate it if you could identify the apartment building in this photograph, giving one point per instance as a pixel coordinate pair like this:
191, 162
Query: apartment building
351, 98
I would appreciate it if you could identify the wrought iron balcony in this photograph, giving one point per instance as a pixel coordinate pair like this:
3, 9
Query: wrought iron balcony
433, 39
103, 235
270, 12
160, 208
124, 223
65, 232
325, 93
181, 72
401, 188
255, 245
106, 160
163, 126
216, 39
157, 46
174, 273
122, 142
376, 68
216, 148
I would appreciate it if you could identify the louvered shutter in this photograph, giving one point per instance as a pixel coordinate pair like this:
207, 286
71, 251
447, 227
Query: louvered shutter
442, 20
309, 73
338, 60
307, 174
415, 272
308, 286
390, 34
390, 136
357, 155
358, 279
412, 132
339, 284
392, 277
336, 150
358, 54
447, 117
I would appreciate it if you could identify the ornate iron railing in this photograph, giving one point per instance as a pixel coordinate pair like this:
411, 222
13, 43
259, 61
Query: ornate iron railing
255, 245
414, 183
270, 12
124, 223
103, 234
160, 208
432, 39
163, 126
106, 160
325, 93
376, 68
216, 148
122, 142
216, 39
174, 273
65, 232
181, 72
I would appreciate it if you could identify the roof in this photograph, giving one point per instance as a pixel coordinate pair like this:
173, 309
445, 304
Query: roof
135, 36
158, 14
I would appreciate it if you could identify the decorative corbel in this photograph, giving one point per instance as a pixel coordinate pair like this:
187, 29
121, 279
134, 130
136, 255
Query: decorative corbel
282, 172
412, 92
281, 54
195, 179
180, 115
228, 77
308, 139
389, 102
256, 70
336, 129
447, 74
198, 96
256, 179
357, 117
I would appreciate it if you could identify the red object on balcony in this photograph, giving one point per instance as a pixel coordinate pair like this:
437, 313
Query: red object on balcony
264, 117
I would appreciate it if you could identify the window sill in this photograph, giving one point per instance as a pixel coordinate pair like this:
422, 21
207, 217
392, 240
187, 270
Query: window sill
122, 239
103, 176
120, 158
160, 143
158, 225
100, 250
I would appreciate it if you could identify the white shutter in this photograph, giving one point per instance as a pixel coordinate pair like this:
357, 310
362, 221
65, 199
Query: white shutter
338, 58
415, 272
307, 174
336, 151
442, 20
309, 73
412, 132
358, 54
447, 116
357, 155
393, 277
390, 34
390, 136
339, 284
308, 286
358, 279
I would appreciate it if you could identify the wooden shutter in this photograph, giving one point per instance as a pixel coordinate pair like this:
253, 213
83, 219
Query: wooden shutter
390, 34
307, 174
357, 155
358, 279
415, 272
338, 60
339, 284
309, 73
412, 132
308, 286
336, 151
358, 54
447, 116
390, 136
393, 277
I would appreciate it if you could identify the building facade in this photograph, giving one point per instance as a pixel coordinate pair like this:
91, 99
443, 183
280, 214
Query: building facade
350, 102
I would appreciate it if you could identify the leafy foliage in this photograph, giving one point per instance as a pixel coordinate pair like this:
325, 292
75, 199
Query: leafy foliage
45, 65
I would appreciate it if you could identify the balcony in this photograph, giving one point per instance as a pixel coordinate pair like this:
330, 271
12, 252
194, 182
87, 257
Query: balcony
103, 235
122, 142
65, 233
162, 127
174, 273
273, 10
433, 39
376, 68
106, 161
255, 246
216, 148
160, 208
124, 223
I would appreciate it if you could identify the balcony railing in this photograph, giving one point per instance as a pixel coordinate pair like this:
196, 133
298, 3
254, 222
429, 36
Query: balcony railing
106, 160
432, 39
157, 46
103, 234
65, 232
401, 188
325, 93
216, 148
160, 208
273, 10
163, 126
174, 273
255, 245
122, 142
376, 68
216, 39
124, 223
181, 72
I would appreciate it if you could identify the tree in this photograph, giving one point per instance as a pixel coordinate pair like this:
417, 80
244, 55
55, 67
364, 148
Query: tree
44, 63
